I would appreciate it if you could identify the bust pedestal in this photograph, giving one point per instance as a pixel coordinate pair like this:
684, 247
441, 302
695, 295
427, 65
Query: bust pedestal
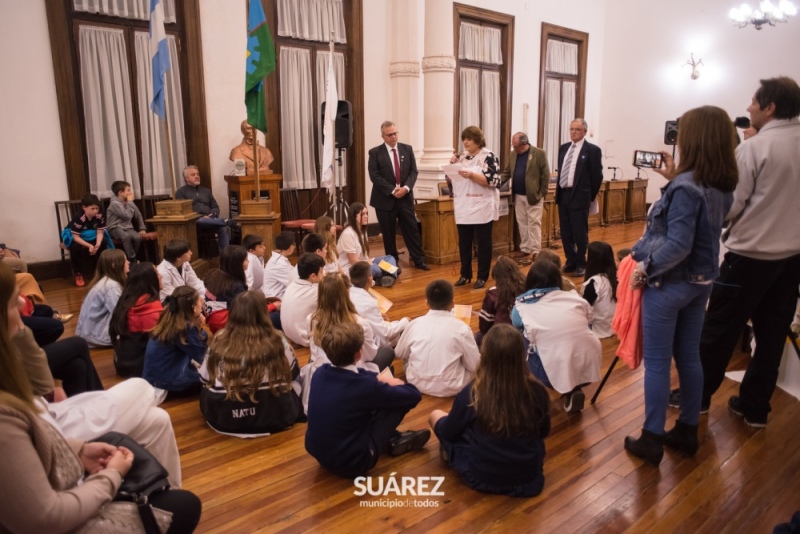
173, 221
256, 217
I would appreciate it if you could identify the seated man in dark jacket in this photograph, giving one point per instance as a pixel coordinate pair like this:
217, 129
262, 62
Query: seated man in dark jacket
203, 202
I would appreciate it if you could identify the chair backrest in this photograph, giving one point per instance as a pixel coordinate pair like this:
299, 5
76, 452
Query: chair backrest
290, 205
65, 210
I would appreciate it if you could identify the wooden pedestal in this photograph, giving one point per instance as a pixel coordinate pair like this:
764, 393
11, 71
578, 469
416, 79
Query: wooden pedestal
439, 235
171, 227
636, 201
258, 218
242, 188
616, 196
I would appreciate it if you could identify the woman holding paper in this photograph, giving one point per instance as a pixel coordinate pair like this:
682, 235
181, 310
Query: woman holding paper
476, 201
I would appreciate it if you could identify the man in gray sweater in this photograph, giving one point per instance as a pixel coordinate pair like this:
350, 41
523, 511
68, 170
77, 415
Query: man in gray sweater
125, 221
760, 274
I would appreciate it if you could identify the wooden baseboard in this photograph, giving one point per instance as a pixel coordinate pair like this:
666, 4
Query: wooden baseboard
49, 270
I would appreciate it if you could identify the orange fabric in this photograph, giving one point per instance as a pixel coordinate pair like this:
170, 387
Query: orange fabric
217, 320
143, 316
627, 323
29, 288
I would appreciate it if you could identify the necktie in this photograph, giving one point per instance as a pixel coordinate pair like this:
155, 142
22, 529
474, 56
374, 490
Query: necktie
396, 167
565, 168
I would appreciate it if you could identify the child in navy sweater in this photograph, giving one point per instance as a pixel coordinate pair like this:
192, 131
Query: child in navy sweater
353, 413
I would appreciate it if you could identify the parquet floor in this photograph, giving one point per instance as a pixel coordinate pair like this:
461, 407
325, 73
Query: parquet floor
742, 480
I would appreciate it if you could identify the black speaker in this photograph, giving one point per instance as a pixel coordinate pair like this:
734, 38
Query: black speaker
344, 124
671, 133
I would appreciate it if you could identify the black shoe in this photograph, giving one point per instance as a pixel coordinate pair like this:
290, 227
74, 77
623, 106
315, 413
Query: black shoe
408, 441
422, 266
648, 447
574, 401
682, 437
462, 281
675, 401
568, 269
579, 272
735, 405
399, 270
479, 284
386, 281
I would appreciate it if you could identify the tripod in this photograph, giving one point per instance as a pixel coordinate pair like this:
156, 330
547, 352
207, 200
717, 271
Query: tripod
339, 206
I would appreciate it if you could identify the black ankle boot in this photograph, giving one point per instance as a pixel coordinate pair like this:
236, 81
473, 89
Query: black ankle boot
683, 437
647, 447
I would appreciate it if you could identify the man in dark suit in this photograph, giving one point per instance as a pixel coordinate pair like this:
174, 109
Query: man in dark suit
393, 171
580, 174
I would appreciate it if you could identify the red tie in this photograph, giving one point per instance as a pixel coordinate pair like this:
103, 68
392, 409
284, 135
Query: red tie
396, 167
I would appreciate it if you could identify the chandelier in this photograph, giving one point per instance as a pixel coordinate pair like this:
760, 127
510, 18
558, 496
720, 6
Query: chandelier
767, 13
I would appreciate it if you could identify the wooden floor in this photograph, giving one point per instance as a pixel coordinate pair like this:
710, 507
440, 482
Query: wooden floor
741, 480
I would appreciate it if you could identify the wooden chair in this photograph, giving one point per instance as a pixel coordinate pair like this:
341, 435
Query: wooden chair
65, 210
290, 218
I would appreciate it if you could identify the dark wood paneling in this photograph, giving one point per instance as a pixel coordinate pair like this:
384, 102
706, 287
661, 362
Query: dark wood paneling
196, 128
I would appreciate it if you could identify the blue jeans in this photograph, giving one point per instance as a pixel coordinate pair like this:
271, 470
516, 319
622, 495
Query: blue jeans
377, 272
672, 320
220, 227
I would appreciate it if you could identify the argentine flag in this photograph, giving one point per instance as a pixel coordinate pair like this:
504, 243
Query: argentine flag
159, 56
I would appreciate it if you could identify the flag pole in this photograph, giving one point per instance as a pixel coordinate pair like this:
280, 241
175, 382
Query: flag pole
169, 148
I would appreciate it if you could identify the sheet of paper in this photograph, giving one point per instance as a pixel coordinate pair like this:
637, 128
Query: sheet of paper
451, 170
387, 267
384, 304
463, 312
594, 208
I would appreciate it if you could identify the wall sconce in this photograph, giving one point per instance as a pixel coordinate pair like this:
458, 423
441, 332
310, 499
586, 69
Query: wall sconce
694, 64
767, 13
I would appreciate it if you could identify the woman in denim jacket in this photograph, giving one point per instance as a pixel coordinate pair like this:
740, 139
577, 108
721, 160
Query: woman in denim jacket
678, 258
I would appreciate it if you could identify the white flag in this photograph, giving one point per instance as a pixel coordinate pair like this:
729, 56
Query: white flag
329, 128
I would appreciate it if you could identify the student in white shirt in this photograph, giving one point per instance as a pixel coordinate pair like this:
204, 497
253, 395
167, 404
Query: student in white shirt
176, 271
325, 227
354, 246
278, 271
439, 351
387, 333
300, 298
317, 244
600, 287
254, 274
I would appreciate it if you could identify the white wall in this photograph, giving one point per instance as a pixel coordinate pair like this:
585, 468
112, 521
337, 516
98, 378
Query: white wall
645, 83
32, 170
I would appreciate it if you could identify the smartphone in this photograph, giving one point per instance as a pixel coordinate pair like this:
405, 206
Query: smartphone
644, 158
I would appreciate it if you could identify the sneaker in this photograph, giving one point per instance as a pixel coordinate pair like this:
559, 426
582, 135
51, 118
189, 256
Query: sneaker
408, 441
386, 281
79, 280
675, 401
574, 401
735, 405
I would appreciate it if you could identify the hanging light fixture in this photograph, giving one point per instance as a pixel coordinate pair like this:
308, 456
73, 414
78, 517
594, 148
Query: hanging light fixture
767, 13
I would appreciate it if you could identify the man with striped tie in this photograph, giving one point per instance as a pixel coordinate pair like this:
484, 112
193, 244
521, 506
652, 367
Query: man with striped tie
580, 174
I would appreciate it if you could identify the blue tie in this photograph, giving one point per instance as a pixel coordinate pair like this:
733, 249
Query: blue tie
565, 167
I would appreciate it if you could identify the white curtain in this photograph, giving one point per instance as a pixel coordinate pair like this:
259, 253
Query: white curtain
552, 123
312, 20
480, 43
469, 113
561, 57
297, 116
155, 160
322, 73
108, 110
567, 108
490, 109
127, 9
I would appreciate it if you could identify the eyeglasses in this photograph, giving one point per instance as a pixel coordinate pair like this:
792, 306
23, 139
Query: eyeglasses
576, 129
393, 134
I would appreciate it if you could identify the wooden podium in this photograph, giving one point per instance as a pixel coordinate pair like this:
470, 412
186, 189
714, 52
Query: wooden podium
242, 188
439, 235
175, 219
256, 217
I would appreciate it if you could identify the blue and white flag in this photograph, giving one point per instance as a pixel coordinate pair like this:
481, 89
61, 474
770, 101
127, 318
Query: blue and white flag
159, 56
329, 128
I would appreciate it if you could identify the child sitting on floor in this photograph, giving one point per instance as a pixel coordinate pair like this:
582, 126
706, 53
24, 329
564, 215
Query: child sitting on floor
278, 269
600, 287
176, 269
497, 304
438, 349
494, 435
224, 284
104, 293
178, 344
387, 333
300, 299
353, 413
250, 370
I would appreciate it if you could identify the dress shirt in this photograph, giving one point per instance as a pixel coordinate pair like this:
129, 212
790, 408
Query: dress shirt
299, 301
387, 333
576, 150
399, 161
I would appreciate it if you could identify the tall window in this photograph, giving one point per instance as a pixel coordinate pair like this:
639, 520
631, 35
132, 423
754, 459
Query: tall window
104, 88
563, 91
484, 43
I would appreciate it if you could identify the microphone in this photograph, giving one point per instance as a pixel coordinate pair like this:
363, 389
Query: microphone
613, 168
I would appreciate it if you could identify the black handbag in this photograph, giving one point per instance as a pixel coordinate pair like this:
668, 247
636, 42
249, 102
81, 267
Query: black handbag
146, 476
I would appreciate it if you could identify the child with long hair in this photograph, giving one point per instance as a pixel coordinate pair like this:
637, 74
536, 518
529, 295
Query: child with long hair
563, 352
600, 287
104, 293
552, 257
136, 313
325, 227
499, 300
354, 246
494, 434
178, 344
250, 370
225, 283
333, 307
